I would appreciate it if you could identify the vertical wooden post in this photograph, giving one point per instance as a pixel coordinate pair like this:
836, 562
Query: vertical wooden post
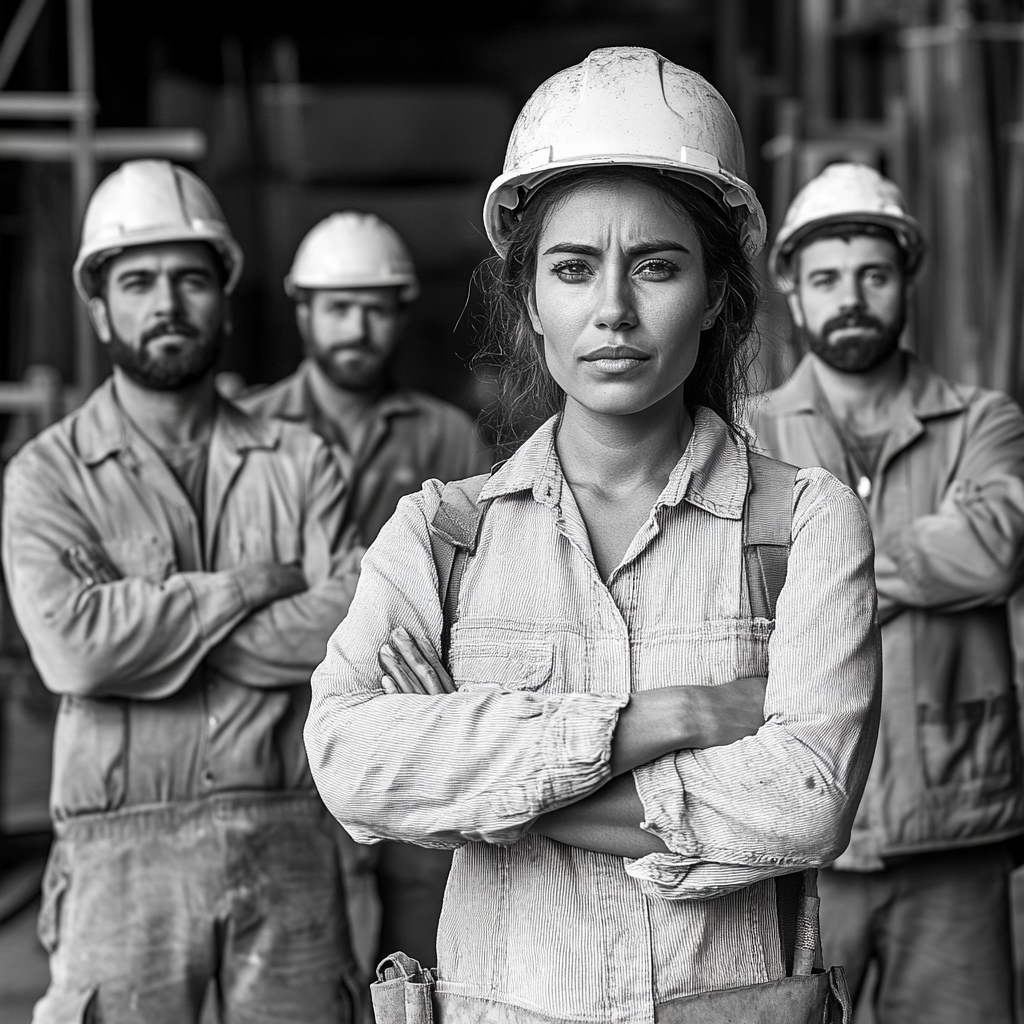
83, 170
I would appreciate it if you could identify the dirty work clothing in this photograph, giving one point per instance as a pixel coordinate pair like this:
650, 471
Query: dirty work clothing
412, 437
141, 909
938, 925
545, 653
172, 689
947, 511
178, 739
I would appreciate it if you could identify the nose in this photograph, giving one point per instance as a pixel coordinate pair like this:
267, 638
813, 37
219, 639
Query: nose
166, 300
354, 324
616, 309
851, 294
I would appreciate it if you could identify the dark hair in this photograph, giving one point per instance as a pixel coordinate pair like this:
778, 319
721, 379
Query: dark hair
526, 392
848, 229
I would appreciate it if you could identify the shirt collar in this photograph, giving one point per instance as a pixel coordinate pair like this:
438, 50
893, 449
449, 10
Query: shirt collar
102, 429
301, 403
927, 393
712, 473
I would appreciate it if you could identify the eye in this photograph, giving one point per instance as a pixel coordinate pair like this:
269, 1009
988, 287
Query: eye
572, 271
877, 278
656, 270
823, 281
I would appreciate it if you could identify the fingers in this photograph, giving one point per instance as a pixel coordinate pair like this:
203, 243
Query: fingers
413, 667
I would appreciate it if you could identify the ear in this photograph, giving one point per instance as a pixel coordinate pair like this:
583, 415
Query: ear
716, 299
100, 318
796, 310
302, 320
531, 309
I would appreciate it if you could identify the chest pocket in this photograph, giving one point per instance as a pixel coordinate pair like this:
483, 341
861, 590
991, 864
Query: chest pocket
733, 648
510, 661
145, 555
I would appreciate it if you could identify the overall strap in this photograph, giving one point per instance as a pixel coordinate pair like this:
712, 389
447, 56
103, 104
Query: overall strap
454, 529
767, 537
767, 531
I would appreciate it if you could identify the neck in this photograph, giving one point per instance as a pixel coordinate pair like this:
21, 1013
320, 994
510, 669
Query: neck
620, 453
168, 418
862, 397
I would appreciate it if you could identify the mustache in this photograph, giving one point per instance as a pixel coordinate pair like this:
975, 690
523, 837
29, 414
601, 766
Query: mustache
856, 318
165, 327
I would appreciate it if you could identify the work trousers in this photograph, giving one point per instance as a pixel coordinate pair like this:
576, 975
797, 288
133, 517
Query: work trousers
144, 909
938, 927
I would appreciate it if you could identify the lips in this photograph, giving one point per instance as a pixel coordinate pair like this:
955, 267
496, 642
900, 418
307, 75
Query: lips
615, 352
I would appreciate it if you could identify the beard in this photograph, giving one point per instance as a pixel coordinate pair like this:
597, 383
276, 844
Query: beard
857, 354
170, 372
364, 374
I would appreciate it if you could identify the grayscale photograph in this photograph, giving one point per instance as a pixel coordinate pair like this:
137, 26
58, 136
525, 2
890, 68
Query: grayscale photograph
512, 514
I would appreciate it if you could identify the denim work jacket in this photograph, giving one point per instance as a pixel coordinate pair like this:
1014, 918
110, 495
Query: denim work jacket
411, 437
544, 654
947, 511
172, 689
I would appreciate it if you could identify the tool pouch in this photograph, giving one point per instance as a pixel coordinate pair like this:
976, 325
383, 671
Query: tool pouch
403, 992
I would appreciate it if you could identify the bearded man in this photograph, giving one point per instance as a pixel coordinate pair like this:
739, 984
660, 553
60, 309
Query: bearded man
176, 567
922, 888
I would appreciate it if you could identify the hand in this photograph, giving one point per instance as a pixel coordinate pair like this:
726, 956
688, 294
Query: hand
263, 582
412, 666
90, 565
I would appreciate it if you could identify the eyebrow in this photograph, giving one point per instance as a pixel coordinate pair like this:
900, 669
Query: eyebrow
877, 265
178, 272
640, 249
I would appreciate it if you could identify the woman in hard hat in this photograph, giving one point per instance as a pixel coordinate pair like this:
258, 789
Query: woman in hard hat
635, 742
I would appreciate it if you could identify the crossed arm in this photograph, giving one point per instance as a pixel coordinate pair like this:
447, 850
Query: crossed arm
653, 723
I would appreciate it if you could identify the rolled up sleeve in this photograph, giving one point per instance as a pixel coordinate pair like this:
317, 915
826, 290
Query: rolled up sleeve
785, 797
475, 765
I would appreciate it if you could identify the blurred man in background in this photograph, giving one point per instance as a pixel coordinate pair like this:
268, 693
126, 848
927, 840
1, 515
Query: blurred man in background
352, 282
923, 888
176, 567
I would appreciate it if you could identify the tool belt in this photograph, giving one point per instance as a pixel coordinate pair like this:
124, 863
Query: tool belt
406, 993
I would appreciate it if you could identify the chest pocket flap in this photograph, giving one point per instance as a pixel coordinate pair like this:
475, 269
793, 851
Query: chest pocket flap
509, 663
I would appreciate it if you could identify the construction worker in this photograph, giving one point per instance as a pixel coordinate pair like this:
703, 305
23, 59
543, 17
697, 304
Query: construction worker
623, 760
176, 567
353, 281
922, 888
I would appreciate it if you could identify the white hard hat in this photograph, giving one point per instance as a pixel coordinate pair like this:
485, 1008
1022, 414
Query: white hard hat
146, 202
845, 194
353, 250
626, 106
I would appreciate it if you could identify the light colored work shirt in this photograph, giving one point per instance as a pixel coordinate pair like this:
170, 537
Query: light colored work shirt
545, 653
172, 688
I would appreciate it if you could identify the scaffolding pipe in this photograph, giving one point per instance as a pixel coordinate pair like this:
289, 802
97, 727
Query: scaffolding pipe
83, 170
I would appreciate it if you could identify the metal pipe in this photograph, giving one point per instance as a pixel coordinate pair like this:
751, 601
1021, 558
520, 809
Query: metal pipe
17, 35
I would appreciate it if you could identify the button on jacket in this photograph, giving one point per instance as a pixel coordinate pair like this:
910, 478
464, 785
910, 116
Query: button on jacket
545, 653
171, 688
411, 437
947, 511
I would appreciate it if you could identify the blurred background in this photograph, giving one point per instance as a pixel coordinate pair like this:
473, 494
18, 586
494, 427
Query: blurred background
290, 111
